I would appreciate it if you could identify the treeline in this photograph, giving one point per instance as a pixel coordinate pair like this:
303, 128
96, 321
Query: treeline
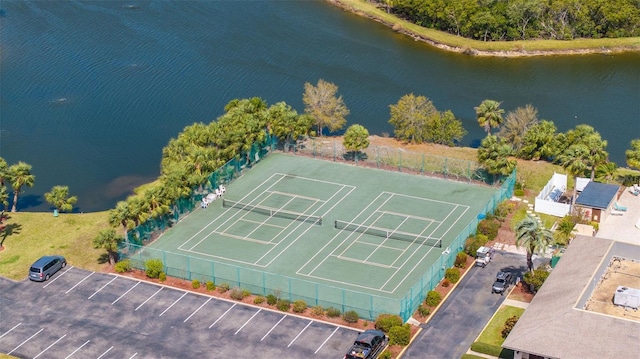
505, 20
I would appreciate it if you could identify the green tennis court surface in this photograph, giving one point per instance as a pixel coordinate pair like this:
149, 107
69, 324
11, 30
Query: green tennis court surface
323, 231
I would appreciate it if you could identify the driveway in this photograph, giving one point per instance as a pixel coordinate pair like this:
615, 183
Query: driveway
459, 321
82, 314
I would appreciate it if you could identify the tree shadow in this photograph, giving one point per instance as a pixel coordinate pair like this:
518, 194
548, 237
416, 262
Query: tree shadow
8, 230
355, 156
103, 258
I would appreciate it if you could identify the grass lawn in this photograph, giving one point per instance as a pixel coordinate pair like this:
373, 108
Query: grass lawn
30, 235
492, 333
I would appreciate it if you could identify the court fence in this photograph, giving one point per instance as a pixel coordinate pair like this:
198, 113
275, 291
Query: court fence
367, 305
394, 159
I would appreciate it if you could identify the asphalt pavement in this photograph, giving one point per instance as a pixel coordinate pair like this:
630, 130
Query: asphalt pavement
459, 321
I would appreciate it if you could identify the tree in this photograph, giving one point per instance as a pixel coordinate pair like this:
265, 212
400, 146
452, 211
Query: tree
325, 108
108, 240
20, 175
539, 142
605, 172
516, 124
489, 115
4, 197
633, 155
445, 129
575, 160
493, 154
533, 236
59, 198
355, 139
286, 124
410, 118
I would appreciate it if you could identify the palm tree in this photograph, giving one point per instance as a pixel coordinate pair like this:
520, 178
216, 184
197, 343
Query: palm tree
489, 115
533, 236
108, 240
59, 198
575, 160
20, 175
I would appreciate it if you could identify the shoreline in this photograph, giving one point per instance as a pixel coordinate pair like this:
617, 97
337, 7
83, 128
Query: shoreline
518, 48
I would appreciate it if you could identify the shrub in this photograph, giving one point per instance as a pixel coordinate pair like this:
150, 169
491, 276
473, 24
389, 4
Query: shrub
123, 266
210, 285
424, 310
283, 305
508, 325
246, 293
195, 284
223, 287
299, 306
272, 299
473, 243
536, 278
400, 335
236, 293
385, 355
518, 193
433, 298
452, 274
445, 283
504, 208
384, 322
461, 260
350, 316
258, 299
162, 277
333, 312
489, 227
153, 268
317, 310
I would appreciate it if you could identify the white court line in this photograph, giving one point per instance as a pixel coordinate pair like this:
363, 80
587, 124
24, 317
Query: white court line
247, 322
361, 261
19, 345
200, 307
172, 304
298, 196
77, 284
47, 348
125, 293
361, 234
299, 334
386, 239
152, 295
326, 340
223, 314
274, 327
56, 278
75, 351
101, 288
105, 353
133, 355
9, 331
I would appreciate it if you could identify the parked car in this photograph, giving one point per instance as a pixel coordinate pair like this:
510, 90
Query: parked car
45, 267
368, 345
503, 280
484, 255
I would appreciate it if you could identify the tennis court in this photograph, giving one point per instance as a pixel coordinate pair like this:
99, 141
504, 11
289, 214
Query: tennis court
326, 232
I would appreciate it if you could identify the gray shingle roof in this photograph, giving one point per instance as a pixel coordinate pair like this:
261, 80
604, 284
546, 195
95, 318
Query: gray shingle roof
597, 195
555, 325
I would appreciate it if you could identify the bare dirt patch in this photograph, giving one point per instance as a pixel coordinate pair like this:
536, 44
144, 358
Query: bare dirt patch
621, 272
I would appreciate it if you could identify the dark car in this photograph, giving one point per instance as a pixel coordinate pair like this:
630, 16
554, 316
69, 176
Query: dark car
368, 345
45, 267
503, 280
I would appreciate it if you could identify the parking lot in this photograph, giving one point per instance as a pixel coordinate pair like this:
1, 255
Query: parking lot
95, 315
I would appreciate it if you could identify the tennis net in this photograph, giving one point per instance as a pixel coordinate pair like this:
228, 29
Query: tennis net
388, 233
273, 212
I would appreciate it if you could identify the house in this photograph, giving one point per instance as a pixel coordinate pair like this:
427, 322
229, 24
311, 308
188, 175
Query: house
574, 315
597, 200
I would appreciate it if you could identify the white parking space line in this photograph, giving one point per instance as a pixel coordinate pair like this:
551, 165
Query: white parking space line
326, 340
247, 322
47, 348
101, 288
133, 355
299, 334
125, 293
172, 304
80, 347
9, 331
153, 295
19, 345
105, 353
56, 278
274, 327
196, 311
77, 284
223, 314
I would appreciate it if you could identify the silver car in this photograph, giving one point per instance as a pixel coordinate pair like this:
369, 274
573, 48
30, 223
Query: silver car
45, 267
